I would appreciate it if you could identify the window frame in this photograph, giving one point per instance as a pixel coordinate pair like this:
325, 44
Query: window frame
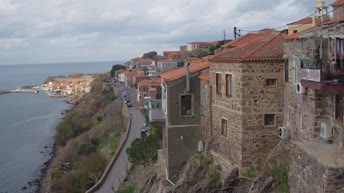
264, 120
271, 79
180, 105
229, 91
223, 130
218, 77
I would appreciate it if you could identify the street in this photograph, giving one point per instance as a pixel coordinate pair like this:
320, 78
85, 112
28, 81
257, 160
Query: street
120, 168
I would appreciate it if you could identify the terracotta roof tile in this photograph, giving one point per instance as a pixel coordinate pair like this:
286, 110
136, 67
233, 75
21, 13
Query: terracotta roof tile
267, 45
308, 20
165, 61
152, 89
205, 77
139, 76
314, 28
338, 3
180, 72
143, 83
126, 73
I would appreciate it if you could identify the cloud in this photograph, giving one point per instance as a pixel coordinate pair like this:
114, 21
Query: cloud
13, 43
119, 30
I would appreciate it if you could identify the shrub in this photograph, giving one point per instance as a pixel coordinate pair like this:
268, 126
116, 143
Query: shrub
205, 159
213, 175
86, 149
130, 189
143, 150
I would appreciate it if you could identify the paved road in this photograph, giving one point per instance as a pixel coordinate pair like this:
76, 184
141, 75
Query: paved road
119, 170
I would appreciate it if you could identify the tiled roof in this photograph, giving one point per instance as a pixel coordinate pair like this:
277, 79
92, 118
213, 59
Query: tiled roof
266, 45
180, 72
156, 82
143, 83
193, 59
166, 61
338, 3
126, 73
206, 58
131, 74
314, 28
139, 76
205, 77
308, 20
204, 43
152, 90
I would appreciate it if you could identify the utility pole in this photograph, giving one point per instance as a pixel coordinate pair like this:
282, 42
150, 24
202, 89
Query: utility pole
224, 35
236, 34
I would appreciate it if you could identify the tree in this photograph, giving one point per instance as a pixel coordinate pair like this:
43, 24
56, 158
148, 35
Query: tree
150, 55
115, 68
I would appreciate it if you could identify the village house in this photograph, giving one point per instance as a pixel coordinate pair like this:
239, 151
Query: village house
149, 88
200, 45
180, 105
166, 64
247, 99
314, 107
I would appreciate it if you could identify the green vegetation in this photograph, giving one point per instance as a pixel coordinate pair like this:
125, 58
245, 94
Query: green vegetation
213, 48
130, 189
213, 175
115, 68
88, 138
145, 150
150, 55
205, 159
277, 167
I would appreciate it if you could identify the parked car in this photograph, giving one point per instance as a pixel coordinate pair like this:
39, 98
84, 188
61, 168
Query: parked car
144, 131
129, 105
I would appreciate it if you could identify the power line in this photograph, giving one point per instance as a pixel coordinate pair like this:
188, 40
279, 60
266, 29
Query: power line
297, 26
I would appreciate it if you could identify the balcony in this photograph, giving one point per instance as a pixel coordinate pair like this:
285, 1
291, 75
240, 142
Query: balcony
322, 76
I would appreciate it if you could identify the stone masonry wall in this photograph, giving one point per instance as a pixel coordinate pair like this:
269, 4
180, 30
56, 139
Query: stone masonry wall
229, 108
259, 99
307, 175
247, 137
205, 110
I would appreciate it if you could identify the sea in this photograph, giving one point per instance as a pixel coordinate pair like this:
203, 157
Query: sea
28, 121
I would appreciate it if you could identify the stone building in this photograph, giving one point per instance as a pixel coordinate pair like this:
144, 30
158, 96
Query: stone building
247, 98
314, 108
206, 112
181, 109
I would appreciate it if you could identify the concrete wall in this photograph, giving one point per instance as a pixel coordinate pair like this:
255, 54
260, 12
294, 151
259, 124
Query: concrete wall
181, 144
175, 89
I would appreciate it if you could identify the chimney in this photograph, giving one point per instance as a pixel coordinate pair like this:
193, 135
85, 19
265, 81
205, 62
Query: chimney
187, 77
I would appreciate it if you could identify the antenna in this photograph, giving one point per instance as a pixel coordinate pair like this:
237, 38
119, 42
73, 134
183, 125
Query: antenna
224, 35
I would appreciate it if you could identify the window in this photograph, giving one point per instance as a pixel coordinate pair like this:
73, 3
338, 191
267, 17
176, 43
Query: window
339, 108
286, 70
271, 82
224, 127
186, 105
228, 85
218, 84
294, 31
269, 119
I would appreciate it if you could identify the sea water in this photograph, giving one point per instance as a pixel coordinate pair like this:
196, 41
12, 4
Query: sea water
28, 121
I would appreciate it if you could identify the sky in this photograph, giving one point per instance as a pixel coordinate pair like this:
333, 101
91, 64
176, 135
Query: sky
49, 31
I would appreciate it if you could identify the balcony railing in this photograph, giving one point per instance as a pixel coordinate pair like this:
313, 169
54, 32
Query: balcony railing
322, 74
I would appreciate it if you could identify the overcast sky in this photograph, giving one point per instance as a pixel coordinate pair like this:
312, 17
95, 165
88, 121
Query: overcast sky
42, 31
